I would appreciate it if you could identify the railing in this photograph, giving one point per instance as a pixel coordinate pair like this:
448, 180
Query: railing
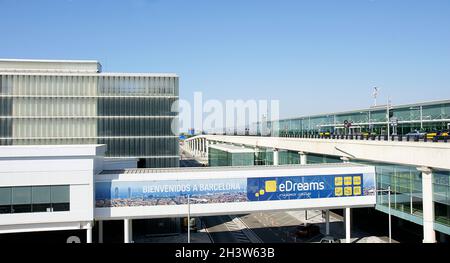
398, 138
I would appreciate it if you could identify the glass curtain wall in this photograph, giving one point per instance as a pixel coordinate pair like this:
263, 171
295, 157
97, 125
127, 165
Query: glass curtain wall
421, 116
132, 114
218, 157
441, 190
135, 118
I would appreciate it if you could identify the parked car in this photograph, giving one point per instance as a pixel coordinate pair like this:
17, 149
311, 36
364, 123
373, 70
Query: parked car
431, 135
330, 239
325, 134
442, 135
309, 230
366, 134
416, 134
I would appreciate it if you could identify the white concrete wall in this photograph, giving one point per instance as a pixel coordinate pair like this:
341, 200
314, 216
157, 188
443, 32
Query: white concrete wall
74, 166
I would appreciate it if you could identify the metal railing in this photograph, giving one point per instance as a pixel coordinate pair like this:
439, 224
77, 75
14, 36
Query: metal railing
398, 138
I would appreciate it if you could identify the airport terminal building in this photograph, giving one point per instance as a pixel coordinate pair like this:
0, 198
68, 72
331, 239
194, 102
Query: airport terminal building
45, 102
422, 116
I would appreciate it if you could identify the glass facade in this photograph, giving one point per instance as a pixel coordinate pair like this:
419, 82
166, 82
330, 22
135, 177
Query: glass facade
441, 191
131, 113
32, 199
222, 157
433, 116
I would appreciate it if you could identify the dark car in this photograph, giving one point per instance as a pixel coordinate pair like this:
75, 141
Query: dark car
309, 230
330, 239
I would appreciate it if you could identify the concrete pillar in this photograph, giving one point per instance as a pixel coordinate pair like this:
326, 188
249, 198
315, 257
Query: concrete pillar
207, 147
429, 235
303, 158
89, 233
100, 231
347, 225
196, 147
127, 230
345, 159
275, 157
327, 222
204, 147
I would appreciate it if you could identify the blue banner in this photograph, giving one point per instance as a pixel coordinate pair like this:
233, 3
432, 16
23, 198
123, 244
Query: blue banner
306, 187
175, 192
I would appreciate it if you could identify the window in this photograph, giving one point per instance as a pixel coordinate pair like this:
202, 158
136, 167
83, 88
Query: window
28, 199
5, 200
41, 199
21, 199
60, 196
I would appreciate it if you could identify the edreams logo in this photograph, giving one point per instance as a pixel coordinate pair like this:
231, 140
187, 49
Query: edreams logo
271, 186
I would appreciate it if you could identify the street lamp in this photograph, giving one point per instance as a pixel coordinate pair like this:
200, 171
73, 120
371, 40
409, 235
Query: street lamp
375, 95
189, 213
389, 210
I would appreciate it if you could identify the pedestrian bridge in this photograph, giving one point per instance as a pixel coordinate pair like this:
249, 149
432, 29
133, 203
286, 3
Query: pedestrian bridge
157, 193
419, 154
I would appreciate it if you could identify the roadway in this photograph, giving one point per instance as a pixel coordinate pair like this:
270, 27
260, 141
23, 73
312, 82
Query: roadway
187, 159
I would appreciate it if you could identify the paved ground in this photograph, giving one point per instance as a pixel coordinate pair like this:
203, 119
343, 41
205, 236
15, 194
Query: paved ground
188, 160
337, 227
196, 237
279, 227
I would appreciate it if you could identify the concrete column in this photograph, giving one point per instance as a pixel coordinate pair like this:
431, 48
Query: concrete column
327, 222
275, 157
347, 225
345, 159
429, 235
203, 147
100, 231
196, 147
127, 228
89, 233
303, 158
199, 147
206, 147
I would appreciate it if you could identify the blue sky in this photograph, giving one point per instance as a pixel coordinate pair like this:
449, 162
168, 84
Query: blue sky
314, 56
